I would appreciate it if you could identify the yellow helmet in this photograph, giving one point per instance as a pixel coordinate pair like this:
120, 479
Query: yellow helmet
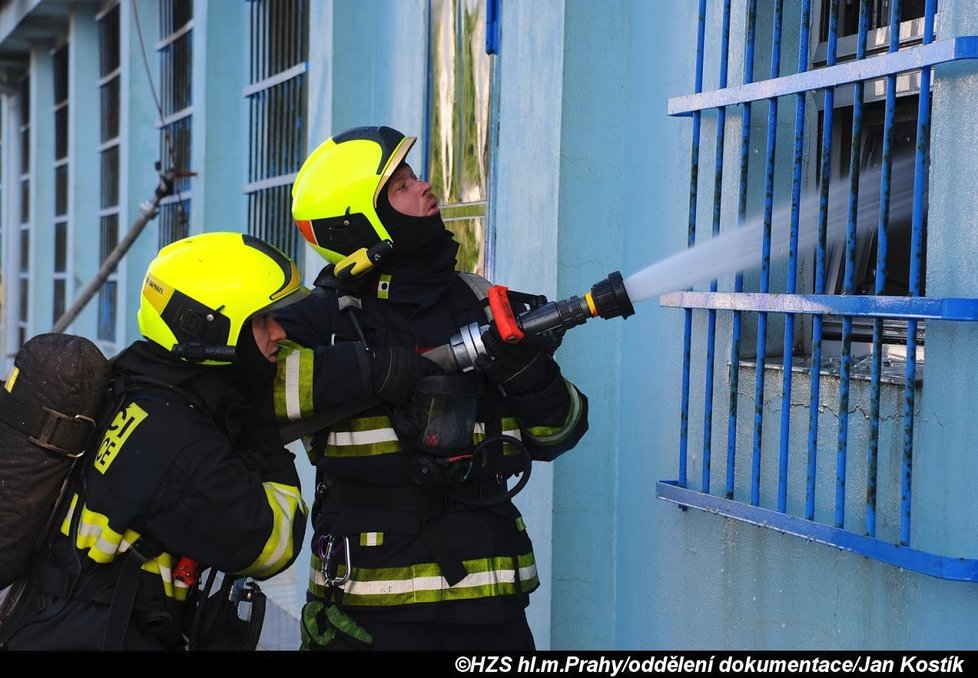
334, 198
199, 291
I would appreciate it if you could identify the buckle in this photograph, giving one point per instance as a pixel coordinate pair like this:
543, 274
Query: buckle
327, 548
56, 424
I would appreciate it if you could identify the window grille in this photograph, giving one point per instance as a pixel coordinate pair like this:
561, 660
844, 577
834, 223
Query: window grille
24, 266
276, 97
783, 493
61, 172
109, 112
176, 94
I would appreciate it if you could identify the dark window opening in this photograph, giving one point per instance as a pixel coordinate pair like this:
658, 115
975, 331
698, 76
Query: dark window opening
878, 15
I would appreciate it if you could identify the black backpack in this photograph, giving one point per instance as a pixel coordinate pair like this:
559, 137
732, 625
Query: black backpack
58, 396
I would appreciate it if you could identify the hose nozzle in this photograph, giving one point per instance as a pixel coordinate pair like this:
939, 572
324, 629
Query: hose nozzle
609, 298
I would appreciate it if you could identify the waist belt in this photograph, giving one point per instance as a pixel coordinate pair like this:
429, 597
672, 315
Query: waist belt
336, 494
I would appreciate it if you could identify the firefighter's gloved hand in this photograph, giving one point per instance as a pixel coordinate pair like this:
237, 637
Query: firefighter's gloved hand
518, 369
395, 370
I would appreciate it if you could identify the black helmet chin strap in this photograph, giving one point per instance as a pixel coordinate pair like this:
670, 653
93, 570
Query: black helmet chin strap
198, 351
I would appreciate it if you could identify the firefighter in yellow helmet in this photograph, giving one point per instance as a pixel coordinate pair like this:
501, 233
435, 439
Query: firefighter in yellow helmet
183, 481
417, 543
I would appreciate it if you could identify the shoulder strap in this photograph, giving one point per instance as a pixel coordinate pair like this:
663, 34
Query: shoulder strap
132, 383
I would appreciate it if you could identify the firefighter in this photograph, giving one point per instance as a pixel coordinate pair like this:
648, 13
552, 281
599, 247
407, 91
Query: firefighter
417, 544
182, 474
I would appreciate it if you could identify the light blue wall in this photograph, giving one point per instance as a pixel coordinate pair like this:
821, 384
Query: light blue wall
83, 189
526, 225
953, 239
631, 571
140, 143
220, 119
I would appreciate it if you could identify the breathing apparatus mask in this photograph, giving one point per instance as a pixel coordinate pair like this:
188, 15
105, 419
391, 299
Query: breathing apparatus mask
439, 429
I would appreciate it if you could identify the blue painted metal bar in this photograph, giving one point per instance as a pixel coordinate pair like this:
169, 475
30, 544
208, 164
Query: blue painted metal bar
792, 281
962, 47
690, 241
825, 178
916, 265
733, 373
882, 247
904, 308
711, 323
849, 284
492, 26
944, 567
765, 281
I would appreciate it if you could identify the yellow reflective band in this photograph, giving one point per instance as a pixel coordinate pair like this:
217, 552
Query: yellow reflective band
163, 566
292, 388
287, 505
424, 583
9, 384
103, 543
363, 437
157, 293
510, 427
119, 430
551, 435
371, 539
384, 286
520, 525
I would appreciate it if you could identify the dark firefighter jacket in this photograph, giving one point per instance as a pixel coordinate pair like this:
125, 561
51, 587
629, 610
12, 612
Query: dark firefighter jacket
181, 478
414, 555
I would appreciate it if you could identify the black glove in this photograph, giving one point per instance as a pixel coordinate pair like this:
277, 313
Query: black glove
395, 370
517, 368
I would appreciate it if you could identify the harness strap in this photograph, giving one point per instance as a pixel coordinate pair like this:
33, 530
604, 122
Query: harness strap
124, 596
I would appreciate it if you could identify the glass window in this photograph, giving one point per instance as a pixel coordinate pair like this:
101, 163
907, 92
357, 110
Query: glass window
176, 78
276, 106
61, 190
109, 109
458, 119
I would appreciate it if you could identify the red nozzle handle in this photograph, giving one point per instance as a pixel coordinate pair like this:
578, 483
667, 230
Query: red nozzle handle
502, 314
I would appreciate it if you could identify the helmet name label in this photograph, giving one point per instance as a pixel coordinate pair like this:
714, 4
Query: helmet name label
157, 293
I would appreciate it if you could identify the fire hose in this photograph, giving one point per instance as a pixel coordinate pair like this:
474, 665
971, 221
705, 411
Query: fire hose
607, 299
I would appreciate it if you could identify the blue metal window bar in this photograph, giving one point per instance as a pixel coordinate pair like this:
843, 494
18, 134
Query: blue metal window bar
876, 307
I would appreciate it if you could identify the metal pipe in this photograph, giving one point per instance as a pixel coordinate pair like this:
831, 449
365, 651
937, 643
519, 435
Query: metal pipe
882, 242
845, 361
147, 211
733, 373
690, 241
789, 320
765, 280
717, 192
820, 257
916, 264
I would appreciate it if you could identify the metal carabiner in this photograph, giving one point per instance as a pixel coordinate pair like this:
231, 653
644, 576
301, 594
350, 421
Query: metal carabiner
327, 548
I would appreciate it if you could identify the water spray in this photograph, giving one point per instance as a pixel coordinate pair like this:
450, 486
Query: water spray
735, 250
